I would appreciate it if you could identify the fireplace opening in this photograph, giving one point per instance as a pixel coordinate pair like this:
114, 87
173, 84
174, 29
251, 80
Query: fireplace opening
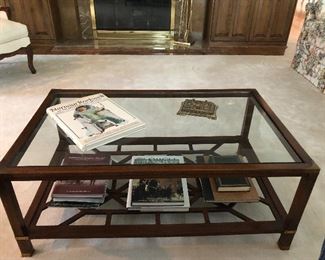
154, 24
133, 15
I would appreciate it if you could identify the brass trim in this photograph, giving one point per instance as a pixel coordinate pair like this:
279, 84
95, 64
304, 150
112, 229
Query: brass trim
93, 17
289, 232
22, 238
173, 18
133, 35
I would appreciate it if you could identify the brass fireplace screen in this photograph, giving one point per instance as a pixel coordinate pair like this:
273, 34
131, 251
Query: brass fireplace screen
178, 31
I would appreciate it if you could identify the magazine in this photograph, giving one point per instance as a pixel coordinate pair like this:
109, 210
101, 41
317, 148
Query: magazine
94, 120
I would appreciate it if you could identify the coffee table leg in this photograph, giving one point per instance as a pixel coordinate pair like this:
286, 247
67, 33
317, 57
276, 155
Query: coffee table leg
15, 217
297, 208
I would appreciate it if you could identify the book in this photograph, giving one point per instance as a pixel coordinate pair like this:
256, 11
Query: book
159, 194
93, 121
80, 192
233, 184
73, 204
234, 196
78, 159
157, 159
211, 190
227, 183
87, 191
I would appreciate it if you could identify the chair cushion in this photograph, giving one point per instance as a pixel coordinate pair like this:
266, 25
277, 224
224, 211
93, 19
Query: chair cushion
15, 45
11, 31
3, 15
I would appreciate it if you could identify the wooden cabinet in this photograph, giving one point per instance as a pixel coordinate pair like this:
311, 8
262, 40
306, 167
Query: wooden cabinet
232, 26
36, 14
249, 25
231, 20
272, 20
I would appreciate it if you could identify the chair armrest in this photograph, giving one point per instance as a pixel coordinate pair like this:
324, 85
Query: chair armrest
6, 10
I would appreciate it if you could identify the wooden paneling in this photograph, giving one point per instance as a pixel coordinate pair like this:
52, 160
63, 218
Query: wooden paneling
17, 11
2, 3
242, 14
231, 20
283, 14
222, 18
69, 19
36, 14
262, 19
251, 24
272, 20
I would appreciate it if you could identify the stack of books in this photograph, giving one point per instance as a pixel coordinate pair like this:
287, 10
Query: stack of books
80, 193
158, 194
85, 193
227, 189
94, 120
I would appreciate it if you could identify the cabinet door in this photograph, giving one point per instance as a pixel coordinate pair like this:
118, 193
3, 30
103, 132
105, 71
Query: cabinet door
231, 20
36, 14
272, 20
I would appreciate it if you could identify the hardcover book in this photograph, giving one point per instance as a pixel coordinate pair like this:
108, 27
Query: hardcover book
79, 191
86, 159
233, 184
94, 120
158, 194
229, 185
234, 196
157, 159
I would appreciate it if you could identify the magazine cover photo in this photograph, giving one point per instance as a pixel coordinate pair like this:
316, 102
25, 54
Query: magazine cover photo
95, 119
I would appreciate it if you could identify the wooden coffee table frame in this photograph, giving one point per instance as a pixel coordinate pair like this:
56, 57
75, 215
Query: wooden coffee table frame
25, 228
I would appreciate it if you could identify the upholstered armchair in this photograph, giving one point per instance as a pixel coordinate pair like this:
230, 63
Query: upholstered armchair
14, 38
309, 59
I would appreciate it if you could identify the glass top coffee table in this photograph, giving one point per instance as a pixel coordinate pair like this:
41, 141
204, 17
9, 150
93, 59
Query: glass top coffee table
244, 126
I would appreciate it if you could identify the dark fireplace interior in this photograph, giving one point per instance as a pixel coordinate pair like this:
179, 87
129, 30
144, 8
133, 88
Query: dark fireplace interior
141, 15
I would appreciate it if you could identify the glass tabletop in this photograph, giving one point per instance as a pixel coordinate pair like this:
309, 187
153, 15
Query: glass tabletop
241, 133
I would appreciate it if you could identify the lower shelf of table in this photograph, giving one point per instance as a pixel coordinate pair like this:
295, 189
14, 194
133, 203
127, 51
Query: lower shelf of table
69, 228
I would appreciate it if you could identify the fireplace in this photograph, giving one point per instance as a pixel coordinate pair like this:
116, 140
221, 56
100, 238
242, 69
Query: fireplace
152, 21
133, 15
